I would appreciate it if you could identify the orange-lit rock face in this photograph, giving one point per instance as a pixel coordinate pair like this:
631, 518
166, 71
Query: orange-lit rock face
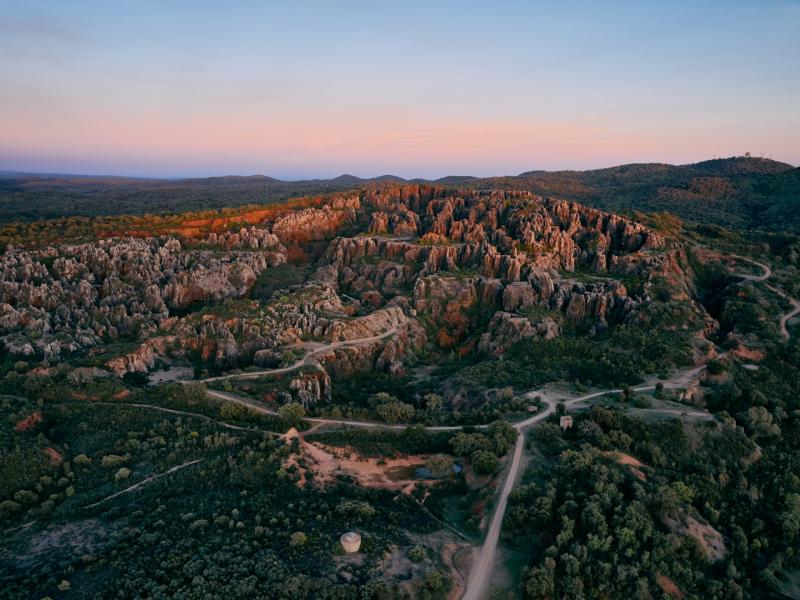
462, 270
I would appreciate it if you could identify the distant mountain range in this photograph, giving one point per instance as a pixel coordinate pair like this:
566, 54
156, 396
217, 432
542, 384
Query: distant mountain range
741, 192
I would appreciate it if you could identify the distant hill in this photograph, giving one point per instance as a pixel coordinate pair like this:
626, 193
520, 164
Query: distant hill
352, 180
740, 192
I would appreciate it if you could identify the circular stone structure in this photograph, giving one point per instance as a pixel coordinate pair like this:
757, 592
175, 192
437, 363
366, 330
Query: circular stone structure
350, 541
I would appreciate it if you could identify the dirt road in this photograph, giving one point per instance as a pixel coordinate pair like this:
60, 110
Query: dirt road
482, 567
786, 317
145, 481
479, 574
314, 349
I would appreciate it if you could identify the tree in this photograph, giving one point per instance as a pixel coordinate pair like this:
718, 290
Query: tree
416, 554
380, 398
433, 402
548, 436
440, 466
395, 412
435, 584
485, 462
503, 436
292, 413
232, 411
761, 422
464, 444
298, 538
790, 518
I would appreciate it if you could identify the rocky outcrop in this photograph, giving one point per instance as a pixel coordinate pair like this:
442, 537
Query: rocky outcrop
313, 223
374, 324
142, 359
506, 329
72, 297
310, 388
401, 222
385, 354
217, 282
455, 269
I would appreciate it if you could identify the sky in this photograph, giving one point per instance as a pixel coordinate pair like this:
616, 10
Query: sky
315, 88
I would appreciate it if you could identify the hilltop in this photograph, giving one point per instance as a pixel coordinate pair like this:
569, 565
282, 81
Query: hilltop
739, 192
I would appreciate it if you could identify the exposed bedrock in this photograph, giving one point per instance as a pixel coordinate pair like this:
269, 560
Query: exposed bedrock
444, 268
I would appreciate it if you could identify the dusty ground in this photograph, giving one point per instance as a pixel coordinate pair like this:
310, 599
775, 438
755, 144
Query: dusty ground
790, 586
29, 422
328, 462
629, 461
709, 539
749, 354
456, 556
58, 541
669, 587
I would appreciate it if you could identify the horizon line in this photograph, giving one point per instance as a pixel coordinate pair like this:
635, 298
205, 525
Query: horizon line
10, 173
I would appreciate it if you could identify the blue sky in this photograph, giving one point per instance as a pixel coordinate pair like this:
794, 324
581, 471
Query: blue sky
314, 88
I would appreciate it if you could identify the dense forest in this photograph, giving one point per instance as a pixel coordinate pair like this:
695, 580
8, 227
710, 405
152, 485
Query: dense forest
618, 506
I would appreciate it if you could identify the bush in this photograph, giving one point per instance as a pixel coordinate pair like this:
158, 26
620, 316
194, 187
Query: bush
548, 436
416, 554
356, 508
485, 462
298, 538
292, 413
395, 412
198, 524
110, 461
465, 444
440, 466
82, 460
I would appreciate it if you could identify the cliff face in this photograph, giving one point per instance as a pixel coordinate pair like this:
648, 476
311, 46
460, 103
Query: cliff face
463, 270
456, 256
73, 297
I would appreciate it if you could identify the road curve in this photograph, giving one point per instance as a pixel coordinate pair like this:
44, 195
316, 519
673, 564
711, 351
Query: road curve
786, 317
479, 574
482, 566
763, 277
299, 363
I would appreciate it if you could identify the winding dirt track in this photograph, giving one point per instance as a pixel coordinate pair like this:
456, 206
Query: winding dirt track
786, 317
482, 566
145, 481
479, 573
314, 349
484, 561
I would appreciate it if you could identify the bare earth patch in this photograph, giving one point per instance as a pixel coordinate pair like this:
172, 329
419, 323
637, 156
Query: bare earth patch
709, 539
396, 474
56, 542
629, 461
328, 462
748, 354
28, 422
669, 587
54, 456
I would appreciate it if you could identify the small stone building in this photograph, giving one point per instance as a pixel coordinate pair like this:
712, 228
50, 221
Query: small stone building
565, 422
351, 542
